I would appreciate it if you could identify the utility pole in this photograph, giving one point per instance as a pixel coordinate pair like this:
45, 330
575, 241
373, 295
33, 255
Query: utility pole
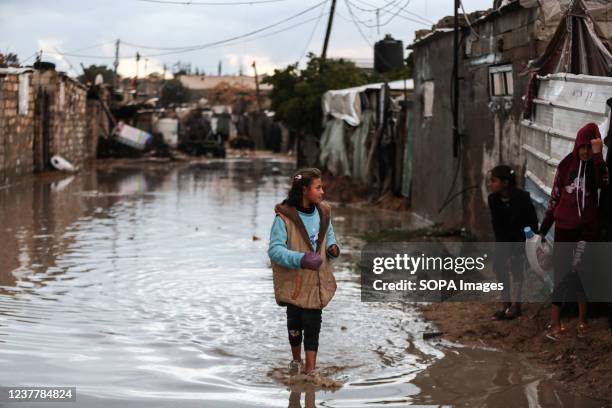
378, 21
257, 86
116, 64
456, 82
330, 21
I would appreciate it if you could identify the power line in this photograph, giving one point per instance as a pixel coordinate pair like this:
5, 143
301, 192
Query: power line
397, 13
377, 11
206, 3
178, 50
314, 29
193, 47
353, 18
215, 46
27, 59
390, 18
91, 46
391, 4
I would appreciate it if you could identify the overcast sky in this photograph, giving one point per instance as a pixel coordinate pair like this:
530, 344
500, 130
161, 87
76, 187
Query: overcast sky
90, 28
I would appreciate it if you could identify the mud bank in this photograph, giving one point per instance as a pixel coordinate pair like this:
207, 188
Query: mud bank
584, 365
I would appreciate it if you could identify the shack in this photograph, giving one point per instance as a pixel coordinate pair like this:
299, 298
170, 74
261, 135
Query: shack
42, 113
367, 136
496, 49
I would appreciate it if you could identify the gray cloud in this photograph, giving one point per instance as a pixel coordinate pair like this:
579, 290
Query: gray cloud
70, 25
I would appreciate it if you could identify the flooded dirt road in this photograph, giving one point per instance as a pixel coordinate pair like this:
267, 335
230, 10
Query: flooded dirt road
151, 286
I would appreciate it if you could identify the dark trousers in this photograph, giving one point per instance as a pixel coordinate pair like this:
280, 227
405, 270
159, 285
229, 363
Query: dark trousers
306, 324
509, 261
568, 260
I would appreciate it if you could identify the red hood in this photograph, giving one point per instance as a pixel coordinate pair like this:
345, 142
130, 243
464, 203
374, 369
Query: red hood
585, 135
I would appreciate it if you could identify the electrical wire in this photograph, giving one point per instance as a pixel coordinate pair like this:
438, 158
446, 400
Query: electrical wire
314, 29
179, 50
397, 13
394, 15
27, 59
91, 46
190, 47
211, 3
215, 46
354, 19
374, 8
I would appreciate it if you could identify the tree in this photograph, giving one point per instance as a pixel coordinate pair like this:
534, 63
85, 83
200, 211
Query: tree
173, 92
90, 73
296, 95
9, 60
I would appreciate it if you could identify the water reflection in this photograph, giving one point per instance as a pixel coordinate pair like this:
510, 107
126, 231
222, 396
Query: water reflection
146, 284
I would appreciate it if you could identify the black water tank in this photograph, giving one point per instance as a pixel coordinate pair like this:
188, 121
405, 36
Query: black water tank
388, 54
44, 66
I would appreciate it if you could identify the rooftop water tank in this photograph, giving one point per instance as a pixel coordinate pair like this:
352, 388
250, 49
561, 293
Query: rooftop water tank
388, 55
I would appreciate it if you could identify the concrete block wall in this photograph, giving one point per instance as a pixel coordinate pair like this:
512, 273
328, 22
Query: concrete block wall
16, 129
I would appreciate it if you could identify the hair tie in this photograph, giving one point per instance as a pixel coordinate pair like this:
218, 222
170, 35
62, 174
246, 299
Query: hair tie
298, 177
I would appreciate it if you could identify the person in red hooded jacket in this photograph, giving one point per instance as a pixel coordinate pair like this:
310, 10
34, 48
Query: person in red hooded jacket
574, 209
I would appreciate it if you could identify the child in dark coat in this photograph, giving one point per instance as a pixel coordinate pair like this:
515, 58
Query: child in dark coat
511, 211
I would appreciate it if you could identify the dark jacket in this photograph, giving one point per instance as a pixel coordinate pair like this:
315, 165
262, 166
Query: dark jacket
574, 202
511, 217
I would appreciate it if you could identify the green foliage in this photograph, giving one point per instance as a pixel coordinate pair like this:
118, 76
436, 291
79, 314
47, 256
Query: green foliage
173, 92
90, 73
9, 60
296, 94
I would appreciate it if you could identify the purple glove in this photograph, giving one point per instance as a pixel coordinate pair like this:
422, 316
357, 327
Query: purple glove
311, 260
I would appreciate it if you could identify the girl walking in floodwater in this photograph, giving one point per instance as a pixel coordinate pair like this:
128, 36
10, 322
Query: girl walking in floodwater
574, 208
302, 242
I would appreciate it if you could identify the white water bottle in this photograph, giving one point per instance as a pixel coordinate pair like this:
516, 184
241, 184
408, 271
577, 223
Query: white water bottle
539, 254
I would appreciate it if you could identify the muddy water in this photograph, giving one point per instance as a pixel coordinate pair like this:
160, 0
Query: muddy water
150, 286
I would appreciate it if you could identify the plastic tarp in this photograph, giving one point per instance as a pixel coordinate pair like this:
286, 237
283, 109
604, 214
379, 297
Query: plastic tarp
407, 173
345, 104
360, 152
578, 46
550, 13
333, 155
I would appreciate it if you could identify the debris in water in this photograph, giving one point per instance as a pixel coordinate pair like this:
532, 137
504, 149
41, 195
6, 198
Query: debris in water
256, 238
431, 335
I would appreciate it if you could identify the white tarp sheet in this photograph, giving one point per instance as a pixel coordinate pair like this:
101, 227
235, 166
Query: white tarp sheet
24, 93
345, 104
333, 155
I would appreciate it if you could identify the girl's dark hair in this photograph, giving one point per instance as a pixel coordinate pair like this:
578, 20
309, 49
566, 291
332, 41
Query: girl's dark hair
505, 173
302, 178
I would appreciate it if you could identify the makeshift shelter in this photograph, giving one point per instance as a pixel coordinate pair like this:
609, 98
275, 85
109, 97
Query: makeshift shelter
578, 46
366, 135
569, 86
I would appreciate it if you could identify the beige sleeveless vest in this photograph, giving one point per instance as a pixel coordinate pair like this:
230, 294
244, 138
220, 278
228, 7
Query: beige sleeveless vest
305, 288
